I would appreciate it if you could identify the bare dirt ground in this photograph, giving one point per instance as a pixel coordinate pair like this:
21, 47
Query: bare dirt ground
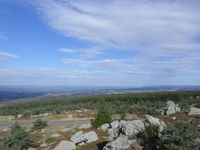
72, 118
5, 124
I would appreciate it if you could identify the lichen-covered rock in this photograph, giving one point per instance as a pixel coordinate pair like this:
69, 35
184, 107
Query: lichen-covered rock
65, 145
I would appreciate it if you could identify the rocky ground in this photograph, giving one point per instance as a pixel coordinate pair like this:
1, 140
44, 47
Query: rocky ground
75, 132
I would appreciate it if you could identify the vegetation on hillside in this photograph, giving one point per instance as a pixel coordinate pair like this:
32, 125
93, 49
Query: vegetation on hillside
138, 103
178, 136
18, 139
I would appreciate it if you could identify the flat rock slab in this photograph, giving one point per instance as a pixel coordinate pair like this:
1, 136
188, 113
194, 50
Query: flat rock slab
65, 145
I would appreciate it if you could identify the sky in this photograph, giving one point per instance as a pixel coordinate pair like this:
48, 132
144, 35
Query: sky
100, 42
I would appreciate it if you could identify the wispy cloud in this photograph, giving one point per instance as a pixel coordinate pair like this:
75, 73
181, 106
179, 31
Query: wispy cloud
125, 24
162, 36
164, 27
6, 55
106, 63
87, 52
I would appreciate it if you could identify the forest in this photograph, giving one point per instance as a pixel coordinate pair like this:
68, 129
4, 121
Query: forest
145, 102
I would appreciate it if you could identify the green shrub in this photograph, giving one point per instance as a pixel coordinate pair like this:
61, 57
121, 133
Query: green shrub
138, 109
102, 116
39, 124
18, 139
180, 136
50, 140
150, 137
27, 114
123, 116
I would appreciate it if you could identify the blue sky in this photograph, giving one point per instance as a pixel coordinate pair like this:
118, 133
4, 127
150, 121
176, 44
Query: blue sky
100, 43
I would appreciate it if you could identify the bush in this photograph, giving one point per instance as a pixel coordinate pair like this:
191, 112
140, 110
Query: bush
27, 114
102, 116
180, 136
138, 109
39, 124
18, 139
150, 137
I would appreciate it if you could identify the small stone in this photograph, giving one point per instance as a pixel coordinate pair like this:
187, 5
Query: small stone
173, 118
56, 135
30, 148
5, 130
19, 116
85, 126
66, 130
44, 146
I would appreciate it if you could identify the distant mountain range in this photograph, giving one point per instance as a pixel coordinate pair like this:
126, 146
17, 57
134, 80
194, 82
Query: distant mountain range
8, 93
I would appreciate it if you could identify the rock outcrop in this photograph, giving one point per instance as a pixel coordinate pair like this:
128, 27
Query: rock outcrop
104, 127
171, 108
194, 111
80, 138
133, 127
90, 136
120, 143
65, 145
155, 121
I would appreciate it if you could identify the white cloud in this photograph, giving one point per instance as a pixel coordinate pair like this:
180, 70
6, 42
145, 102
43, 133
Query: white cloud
99, 63
162, 35
6, 55
153, 28
67, 50
87, 52
125, 24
